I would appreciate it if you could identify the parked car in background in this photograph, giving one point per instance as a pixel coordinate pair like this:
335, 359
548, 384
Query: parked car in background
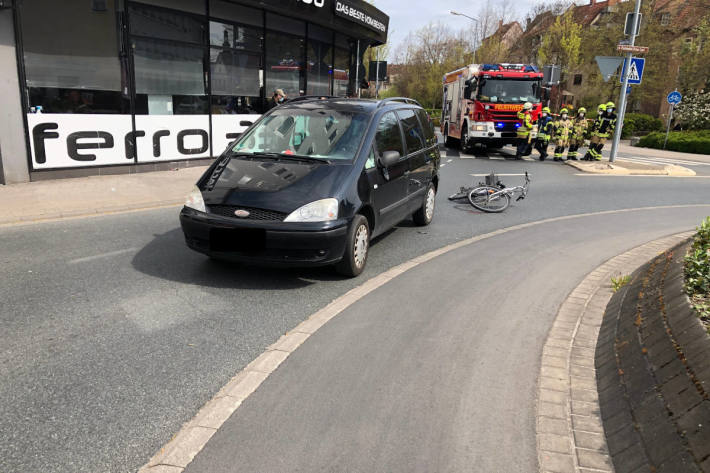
313, 181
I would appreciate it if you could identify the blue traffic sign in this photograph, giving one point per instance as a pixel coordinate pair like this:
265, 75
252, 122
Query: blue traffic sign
674, 98
635, 70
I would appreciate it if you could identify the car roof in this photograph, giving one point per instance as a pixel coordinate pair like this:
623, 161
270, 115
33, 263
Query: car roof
354, 105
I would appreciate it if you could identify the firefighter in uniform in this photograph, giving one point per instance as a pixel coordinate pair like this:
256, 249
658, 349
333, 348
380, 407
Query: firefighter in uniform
603, 129
579, 133
544, 131
526, 126
563, 131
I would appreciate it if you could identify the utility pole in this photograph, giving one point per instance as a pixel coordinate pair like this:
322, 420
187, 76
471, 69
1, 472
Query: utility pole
622, 98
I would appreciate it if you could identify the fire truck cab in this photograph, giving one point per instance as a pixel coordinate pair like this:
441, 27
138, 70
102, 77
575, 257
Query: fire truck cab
481, 103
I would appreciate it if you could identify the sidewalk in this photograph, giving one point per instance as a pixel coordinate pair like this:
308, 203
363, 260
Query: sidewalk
626, 148
84, 196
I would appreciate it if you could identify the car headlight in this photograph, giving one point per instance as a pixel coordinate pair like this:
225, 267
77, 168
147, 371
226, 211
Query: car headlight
480, 127
318, 211
195, 201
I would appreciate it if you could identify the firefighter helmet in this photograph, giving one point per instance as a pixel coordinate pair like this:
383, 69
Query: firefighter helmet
602, 107
610, 105
581, 110
546, 110
527, 106
564, 111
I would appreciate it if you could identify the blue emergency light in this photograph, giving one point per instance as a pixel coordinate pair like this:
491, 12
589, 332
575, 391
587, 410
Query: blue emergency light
500, 125
517, 125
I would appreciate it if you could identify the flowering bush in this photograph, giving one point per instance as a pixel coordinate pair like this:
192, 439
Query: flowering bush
694, 111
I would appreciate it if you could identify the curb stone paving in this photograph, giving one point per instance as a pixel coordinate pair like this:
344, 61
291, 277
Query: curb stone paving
570, 434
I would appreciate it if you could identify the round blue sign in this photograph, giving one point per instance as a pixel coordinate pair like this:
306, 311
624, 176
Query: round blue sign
674, 98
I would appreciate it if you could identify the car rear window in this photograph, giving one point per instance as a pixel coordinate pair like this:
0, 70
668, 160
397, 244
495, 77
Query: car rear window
427, 126
413, 133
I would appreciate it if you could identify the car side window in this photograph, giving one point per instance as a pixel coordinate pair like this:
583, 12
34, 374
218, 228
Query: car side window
370, 163
427, 126
413, 133
388, 137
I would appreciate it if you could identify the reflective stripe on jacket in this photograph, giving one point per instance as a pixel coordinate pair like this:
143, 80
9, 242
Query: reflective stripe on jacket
526, 124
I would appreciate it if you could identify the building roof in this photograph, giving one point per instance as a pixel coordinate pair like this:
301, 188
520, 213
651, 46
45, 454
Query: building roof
586, 14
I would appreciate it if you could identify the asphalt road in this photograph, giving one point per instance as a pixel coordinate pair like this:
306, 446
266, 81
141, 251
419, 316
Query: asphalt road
114, 333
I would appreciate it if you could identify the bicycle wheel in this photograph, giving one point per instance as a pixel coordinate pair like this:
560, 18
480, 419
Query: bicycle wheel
487, 199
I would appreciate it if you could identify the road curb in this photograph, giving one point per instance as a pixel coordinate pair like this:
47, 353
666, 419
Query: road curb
617, 169
193, 436
570, 433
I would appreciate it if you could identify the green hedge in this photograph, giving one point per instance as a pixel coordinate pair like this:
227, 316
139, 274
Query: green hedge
683, 141
635, 123
697, 271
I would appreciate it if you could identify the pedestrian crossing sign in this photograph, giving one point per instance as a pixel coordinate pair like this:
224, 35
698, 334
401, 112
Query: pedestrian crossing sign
635, 70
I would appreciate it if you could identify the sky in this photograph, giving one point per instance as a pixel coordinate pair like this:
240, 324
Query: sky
410, 15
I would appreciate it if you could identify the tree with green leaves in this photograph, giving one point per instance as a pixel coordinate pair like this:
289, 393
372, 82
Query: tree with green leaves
561, 43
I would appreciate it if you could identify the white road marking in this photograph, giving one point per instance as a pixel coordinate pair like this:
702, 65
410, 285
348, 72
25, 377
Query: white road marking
496, 159
637, 175
497, 174
655, 160
442, 165
467, 156
449, 160
103, 255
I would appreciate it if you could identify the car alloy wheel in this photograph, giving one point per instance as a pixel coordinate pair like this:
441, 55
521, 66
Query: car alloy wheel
361, 244
430, 202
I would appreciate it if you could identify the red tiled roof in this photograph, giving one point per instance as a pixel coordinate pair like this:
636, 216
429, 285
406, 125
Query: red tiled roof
585, 14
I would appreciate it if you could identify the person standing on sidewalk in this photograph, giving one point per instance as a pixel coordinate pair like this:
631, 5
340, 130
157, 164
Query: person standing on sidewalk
563, 129
605, 125
277, 99
579, 132
544, 132
526, 126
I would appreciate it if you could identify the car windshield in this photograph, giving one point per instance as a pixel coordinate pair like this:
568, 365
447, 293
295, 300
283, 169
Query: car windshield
317, 133
509, 91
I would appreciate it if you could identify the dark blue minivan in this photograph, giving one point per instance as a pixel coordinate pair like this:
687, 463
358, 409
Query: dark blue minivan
312, 181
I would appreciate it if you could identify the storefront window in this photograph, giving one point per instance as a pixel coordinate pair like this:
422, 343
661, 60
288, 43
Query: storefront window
168, 60
72, 67
284, 56
235, 66
319, 60
341, 73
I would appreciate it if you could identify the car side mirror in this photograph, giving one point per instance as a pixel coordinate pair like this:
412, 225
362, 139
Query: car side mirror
245, 123
389, 158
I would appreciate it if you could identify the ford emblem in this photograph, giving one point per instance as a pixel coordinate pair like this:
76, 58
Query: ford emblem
241, 213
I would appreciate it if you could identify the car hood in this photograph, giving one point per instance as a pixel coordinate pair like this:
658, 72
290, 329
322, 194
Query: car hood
279, 185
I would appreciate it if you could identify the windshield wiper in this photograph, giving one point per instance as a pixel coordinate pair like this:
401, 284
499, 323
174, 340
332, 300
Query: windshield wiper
256, 154
303, 157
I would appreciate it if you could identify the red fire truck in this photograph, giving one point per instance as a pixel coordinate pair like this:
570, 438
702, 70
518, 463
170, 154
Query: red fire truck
481, 103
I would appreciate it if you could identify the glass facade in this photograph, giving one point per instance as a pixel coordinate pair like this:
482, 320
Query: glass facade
181, 75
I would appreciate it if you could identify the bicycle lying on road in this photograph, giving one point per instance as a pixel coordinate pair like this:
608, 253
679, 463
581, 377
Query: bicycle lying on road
492, 196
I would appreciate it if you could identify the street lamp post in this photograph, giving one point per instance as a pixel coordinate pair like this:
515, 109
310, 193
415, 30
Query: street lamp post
470, 18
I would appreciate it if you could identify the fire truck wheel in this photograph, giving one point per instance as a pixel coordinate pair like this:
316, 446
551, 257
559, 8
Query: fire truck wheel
463, 142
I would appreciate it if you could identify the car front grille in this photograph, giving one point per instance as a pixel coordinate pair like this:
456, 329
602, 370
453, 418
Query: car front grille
254, 214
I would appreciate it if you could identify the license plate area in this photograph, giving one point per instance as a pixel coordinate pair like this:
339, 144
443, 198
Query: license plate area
237, 239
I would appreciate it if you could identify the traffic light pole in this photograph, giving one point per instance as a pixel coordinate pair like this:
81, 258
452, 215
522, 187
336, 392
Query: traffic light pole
622, 99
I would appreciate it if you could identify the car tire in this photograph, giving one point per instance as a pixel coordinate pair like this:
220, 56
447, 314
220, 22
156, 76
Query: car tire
425, 214
357, 248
